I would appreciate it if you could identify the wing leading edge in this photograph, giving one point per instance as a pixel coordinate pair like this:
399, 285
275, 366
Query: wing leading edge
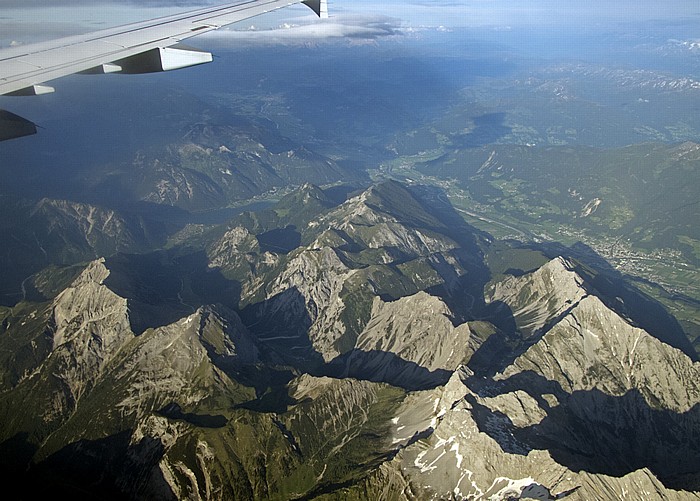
142, 47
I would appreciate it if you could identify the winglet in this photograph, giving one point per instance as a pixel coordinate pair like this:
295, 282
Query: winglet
320, 7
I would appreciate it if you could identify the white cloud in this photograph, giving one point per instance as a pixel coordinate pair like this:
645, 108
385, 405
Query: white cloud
32, 20
297, 33
303, 30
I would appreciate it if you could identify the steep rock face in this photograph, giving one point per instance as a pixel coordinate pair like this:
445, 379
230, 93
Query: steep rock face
304, 301
475, 449
332, 412
375, 219
585, 411
594, 348
179, 363
606, 375
148, 475
583, 344
232, 247
88, 325
88, 309
225, 335
179, 372
410, 342
417, 328
92, 324
537, 299
319, 296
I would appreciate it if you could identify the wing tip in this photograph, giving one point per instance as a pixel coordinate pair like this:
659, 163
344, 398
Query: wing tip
320, 7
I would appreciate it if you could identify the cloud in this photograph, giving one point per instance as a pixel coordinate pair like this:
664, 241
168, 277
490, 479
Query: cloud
295, 25
28, 32
352, 27
33, 20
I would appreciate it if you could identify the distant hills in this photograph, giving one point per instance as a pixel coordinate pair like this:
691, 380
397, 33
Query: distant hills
134, 206
213, 166
644, 194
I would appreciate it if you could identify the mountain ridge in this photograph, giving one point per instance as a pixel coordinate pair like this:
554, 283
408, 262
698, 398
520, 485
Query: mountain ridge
351, 363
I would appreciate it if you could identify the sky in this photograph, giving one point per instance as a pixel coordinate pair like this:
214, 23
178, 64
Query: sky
26, 21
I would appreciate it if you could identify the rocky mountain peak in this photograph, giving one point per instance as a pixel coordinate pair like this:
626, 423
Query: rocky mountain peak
410, 342
391, 201
306, 193
225, 335
91, 325
232, 247
80, 310
306, 298
536, 299
388, 216
593, 347
581, 343
182, 362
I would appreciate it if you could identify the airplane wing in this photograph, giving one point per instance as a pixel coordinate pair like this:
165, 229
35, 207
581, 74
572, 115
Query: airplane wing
143, 47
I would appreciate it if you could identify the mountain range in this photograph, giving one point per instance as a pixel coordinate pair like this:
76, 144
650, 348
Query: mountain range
343, 344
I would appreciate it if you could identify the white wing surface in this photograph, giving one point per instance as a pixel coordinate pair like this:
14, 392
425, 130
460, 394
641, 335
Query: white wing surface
142, 47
